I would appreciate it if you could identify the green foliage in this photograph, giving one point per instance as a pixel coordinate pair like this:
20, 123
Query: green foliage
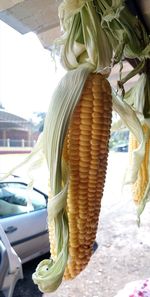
40, 121
119, 138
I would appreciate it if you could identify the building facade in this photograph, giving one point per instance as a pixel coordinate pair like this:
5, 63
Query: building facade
16, 131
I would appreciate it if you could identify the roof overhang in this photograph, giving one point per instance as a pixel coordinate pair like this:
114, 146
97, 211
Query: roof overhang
41, 16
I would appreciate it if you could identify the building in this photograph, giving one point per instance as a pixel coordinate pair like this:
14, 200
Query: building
16, 131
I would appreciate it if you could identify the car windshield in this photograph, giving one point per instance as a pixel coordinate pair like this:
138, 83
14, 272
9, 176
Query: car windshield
15, 198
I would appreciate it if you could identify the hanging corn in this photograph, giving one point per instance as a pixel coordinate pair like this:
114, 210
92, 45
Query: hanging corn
78, 128
141, 186
85, 154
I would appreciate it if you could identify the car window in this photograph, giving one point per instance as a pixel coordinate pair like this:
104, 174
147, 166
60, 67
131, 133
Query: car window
16, 199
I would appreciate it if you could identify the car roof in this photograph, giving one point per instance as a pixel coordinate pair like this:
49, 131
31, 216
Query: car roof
11, 178
19, 179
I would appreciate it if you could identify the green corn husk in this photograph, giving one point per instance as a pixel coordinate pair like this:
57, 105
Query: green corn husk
83, 41
138, 97
125, 31
135, 96
131, 121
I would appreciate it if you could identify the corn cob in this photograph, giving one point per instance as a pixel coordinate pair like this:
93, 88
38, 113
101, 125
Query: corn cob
139, 187
85, 152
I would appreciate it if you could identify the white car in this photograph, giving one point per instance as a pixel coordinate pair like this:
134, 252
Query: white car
10, 266
23, 216
23, 230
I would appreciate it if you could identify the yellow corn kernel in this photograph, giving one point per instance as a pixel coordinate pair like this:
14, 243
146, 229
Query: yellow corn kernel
85, 154
139, 187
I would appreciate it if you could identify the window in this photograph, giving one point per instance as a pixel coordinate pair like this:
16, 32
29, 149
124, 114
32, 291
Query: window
15, 199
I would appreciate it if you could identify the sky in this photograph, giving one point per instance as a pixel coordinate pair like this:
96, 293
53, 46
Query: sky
28, 75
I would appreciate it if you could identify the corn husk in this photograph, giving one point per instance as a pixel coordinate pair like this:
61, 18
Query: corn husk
130, 119
83, 41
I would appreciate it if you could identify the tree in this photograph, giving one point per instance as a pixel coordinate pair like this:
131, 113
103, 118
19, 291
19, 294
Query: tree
1, 106
41, 117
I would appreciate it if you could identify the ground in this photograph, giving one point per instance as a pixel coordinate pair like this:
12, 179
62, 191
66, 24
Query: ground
123, 249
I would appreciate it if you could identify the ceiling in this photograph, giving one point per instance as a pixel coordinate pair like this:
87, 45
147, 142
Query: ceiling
41, 16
